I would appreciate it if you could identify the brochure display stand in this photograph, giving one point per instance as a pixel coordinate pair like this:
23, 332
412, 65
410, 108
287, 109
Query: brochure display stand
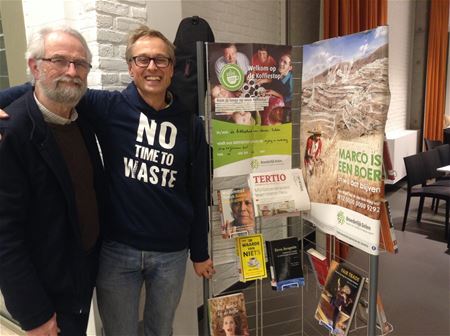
251, 116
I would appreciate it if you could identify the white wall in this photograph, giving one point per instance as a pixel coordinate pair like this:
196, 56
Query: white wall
158, 16
246, 21
231, 21
400, 21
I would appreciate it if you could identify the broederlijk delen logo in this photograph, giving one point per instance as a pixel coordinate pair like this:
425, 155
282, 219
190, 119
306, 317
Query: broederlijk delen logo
341, 217
254, 164
231, 77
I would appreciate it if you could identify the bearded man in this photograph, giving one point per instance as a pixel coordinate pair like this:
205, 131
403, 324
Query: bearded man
51, 192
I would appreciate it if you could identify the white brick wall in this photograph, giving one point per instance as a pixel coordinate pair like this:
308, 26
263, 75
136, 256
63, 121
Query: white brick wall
114, 20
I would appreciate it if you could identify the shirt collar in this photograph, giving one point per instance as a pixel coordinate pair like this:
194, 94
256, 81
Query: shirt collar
53, 118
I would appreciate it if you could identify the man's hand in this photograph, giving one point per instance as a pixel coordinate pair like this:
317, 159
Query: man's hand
49, 328
204, 268
3, 114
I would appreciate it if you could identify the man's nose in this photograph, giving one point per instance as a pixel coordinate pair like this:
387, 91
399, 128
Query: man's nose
71, 70
152, 64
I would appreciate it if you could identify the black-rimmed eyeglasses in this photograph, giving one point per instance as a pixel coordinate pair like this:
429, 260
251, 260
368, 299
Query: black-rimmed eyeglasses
144, 61
63, 63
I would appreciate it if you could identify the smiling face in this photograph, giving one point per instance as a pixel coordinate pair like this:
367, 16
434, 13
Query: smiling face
151, 82
263, 56
285, 65
229, 326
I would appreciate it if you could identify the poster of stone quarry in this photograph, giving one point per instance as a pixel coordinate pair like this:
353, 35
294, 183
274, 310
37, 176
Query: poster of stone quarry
250, 95
345, 100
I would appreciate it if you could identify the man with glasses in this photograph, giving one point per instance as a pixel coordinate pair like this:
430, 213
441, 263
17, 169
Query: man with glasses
51, 178
158, 190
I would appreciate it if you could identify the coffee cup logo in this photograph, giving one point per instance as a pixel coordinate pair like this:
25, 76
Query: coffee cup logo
231, 77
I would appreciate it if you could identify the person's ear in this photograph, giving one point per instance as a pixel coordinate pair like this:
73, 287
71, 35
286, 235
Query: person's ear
33, 66
130, 70
171, 70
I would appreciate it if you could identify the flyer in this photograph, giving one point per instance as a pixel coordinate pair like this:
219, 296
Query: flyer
250, 95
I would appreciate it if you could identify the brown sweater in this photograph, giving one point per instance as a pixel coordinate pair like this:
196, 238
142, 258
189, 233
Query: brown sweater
76, 156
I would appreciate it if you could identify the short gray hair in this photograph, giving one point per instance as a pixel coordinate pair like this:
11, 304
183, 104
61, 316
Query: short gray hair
36, 44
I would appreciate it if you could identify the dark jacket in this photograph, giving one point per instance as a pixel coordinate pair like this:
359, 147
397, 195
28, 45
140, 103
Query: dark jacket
43, 268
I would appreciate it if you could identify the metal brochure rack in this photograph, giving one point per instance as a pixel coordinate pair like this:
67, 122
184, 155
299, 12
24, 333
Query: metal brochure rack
289, 312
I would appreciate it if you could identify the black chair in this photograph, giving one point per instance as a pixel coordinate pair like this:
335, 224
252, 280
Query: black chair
444, 154
431, 144
447, 135
433, 159
417, 174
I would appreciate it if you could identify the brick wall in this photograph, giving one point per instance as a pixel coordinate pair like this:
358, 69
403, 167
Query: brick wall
113, 21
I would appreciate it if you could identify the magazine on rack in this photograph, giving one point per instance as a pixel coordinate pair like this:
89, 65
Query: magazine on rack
251, 257
236, 209
281, 192
285, 263
339, 298
227, 315
319, 264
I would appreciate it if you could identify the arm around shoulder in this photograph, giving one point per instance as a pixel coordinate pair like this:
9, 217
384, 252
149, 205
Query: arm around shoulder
7, 96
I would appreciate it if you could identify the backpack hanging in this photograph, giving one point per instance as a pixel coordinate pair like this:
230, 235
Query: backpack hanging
184, 82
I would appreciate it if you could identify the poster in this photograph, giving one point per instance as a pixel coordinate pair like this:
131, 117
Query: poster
345, 100
250, 95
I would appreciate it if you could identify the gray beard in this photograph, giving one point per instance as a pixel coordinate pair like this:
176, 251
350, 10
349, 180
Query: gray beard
64, 95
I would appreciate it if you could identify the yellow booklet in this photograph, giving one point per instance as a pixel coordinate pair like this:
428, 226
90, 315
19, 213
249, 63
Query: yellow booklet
252, 260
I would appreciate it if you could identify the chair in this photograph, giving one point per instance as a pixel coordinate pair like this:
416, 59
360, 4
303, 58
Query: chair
433, 159
444, 154
417, 173
431, 144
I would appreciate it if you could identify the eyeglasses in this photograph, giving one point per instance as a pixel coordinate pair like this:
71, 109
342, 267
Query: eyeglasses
63, 64
144, 61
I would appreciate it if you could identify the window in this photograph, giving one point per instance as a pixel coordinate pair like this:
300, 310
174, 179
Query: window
4, 81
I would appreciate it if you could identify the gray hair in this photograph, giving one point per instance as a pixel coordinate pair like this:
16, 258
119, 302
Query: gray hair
36, 44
